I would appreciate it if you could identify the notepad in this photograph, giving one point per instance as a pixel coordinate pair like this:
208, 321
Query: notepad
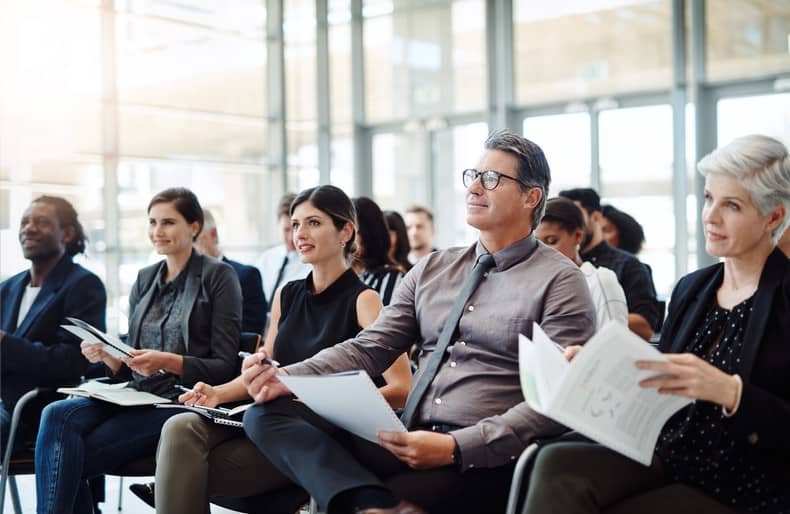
218, 415
350, 400
118, 394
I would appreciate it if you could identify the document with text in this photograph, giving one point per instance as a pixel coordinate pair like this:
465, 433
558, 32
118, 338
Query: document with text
598, 393
119, 394
349, 400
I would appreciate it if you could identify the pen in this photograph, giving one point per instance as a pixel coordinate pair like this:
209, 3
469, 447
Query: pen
559, 347
182, 388
270, 362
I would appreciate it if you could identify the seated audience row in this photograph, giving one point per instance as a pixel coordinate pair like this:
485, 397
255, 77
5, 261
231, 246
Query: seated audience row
465, 411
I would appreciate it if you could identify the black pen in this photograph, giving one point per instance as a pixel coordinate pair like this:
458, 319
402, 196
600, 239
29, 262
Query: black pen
270, 362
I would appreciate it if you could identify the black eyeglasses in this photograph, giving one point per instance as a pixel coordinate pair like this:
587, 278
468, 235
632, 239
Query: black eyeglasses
489, 179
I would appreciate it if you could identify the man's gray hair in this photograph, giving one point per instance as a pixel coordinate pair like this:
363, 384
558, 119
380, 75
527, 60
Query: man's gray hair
533, 169
209, 222
762, 165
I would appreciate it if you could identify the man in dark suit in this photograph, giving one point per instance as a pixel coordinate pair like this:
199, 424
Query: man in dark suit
34, 350
253, 301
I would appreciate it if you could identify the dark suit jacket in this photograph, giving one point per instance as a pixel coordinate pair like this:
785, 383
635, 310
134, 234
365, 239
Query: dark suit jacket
763, 418
211, 327
253, 318
39, 353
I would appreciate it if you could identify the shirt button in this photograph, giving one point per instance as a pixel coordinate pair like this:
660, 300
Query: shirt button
462, 343
449, 348
471, 308
485, 274
453, 364
753, 438
438, 401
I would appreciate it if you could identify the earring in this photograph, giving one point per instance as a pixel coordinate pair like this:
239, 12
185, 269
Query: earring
342, 244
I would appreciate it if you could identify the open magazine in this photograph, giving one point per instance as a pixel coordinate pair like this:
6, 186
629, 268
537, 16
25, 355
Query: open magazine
218, 415
598, 393
112, 345
118, 394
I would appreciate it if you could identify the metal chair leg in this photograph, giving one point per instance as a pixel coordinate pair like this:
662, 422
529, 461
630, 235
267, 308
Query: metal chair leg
15, 417
14, 490
120, 494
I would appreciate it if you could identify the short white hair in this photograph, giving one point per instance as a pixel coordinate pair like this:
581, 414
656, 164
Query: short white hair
762, 165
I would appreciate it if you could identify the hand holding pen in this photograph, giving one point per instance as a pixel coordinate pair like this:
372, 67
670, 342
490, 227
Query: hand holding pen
261, 357
201, 394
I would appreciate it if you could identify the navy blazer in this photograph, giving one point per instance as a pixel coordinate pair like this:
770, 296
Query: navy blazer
39, 353
253, 316
763, 418
210, 327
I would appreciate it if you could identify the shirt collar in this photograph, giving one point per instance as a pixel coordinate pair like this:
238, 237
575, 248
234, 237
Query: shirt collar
510, 255
598, 250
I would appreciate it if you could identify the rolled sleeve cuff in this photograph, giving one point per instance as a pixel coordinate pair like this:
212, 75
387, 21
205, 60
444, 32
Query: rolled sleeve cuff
472, 448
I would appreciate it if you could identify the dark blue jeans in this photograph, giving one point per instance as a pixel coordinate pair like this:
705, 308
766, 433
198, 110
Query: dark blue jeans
82, 438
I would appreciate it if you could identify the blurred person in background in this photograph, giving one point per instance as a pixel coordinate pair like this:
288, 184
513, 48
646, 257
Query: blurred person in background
421, 232
621, 230
281, 264
372, 260
640, 293
399, 240
254, 308
562, 228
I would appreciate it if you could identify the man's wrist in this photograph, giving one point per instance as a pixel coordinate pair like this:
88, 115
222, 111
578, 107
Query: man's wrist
456, 453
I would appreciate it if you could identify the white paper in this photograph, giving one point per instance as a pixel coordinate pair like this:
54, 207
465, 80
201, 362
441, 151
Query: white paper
349, 400
118, 394
112, 345
599, 395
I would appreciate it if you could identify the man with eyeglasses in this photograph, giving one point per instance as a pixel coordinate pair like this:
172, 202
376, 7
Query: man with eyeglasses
466, 414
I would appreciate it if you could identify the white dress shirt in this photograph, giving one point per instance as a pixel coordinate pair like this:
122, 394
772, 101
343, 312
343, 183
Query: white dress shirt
270, 263
607, 294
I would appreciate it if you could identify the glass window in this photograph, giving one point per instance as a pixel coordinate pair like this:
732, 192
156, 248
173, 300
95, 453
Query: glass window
598, 47
424, 60
565, 139
764, 114
636, 177
746, 38
400, 177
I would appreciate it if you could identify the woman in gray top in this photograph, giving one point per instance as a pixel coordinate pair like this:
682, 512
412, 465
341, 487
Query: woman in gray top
185, 315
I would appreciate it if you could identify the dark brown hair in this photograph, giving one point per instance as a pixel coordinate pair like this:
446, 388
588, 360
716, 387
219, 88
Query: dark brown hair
337, 205
185, 202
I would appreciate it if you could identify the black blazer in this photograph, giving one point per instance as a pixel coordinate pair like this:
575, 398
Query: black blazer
253, 318
763, 418
39, 353
211, 328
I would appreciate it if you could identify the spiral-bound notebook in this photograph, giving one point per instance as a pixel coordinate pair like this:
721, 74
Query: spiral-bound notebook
217, 415
349, 400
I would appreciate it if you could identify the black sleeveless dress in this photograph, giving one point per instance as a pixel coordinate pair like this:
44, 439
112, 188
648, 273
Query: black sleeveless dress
311, 322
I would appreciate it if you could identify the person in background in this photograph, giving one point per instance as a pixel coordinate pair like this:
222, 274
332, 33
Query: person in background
399, 241
725, 341
562, 228
372, 261
281, 264
184, 321
308, 315
421, 232
254, 308
621, 230
34, 350
640, 293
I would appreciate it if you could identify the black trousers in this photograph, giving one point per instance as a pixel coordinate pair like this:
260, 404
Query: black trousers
587, 478
326, 461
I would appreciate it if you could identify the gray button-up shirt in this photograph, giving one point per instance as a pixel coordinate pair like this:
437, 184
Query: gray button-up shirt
477, 386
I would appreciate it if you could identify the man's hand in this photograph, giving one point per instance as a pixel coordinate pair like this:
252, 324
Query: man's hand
420, 449
261, 379
571, 351
147, 362
687, 375
1, 335
94, 352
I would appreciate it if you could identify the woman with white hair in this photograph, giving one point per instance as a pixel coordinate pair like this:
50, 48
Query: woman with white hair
726, 340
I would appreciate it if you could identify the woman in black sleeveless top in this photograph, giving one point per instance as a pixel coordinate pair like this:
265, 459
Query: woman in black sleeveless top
326, 308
